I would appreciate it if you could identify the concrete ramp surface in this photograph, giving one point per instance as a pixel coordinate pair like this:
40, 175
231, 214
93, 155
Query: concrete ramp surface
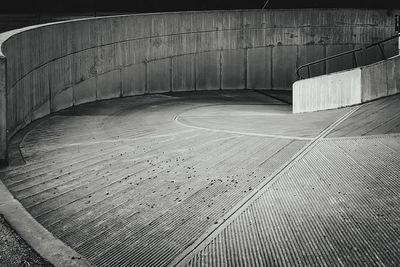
214, 178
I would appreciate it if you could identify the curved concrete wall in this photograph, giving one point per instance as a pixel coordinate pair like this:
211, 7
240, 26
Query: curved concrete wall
50, 67
347, 88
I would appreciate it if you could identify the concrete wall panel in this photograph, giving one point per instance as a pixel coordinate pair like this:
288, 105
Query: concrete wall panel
208, 41
233, 69
85, 91
183, 73
84, 65
231, 20
374, 81
393, 75
159, 76
391, 48
39, 111
138, 51
256, 37
60, 74
25, 89
228, 40
62, 99
259, 68
40, 99
208, 21
134, 80
39, 87
109, 85
284, 65
340, 63
327, 92
208, 70
18, 106
368, 56
160, 47
310, 53
11, 120
107, 58
3, 112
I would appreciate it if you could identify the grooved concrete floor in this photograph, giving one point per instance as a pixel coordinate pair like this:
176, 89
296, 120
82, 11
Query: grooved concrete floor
337, 206
137, 181
378, 117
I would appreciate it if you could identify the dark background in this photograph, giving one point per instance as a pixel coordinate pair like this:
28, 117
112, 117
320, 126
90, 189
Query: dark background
136, 6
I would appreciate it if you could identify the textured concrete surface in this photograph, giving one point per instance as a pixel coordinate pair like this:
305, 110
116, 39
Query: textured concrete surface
335, 204
146, 176
57, 65
378, 117
214, 178
41, 240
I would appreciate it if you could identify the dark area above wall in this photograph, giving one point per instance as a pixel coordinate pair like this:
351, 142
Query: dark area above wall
39, 6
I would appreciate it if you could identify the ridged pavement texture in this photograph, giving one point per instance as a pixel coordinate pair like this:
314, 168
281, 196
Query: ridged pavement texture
378, 117
136, 181
338, 205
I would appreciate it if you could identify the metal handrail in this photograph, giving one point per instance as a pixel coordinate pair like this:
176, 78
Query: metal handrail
355, 64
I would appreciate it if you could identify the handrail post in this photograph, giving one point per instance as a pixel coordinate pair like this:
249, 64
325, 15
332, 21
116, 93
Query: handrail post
308, 71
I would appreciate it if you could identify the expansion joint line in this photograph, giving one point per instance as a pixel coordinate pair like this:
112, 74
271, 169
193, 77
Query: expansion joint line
233, 213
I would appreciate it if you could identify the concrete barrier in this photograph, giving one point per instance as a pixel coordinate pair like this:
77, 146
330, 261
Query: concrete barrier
50, 67
330, 91
347, 88
380, 79
3, 112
